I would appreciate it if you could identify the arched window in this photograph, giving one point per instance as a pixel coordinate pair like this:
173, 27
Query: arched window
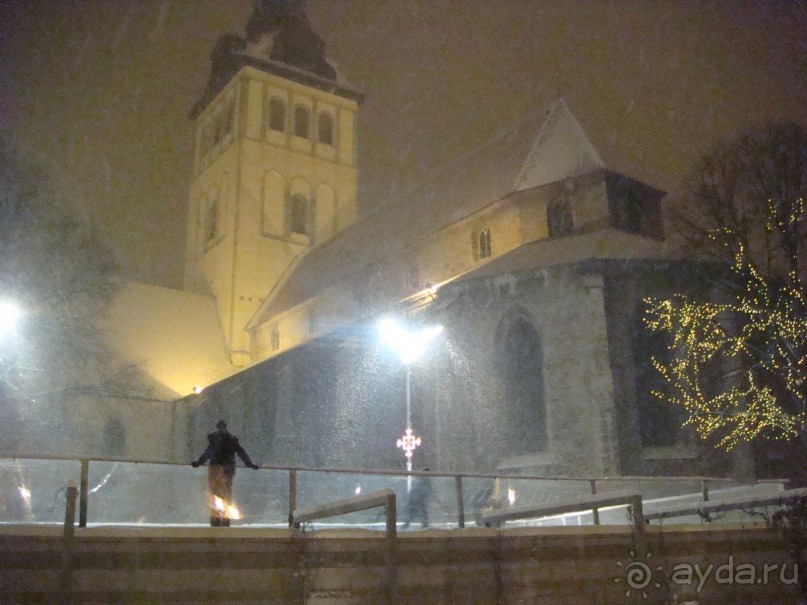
211, 221
114, 437
228, 118
301, 121
277, 114
325, 128
205, 139
298, 216
522, 368
559, 217
483, 243
659, 420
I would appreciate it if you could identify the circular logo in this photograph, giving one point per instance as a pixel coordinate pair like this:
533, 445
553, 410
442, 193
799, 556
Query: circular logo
637, 575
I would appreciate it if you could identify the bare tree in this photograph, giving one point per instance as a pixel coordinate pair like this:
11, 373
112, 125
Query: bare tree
56, 271
739, 361
747, 197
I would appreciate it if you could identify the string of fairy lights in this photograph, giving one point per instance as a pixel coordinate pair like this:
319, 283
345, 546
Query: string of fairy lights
739, 368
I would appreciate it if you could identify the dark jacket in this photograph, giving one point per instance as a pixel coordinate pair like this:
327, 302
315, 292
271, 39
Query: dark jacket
222, 448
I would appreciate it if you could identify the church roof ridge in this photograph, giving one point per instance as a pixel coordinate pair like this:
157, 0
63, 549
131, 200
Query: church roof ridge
504, 164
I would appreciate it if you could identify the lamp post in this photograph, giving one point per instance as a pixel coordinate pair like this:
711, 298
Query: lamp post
410, 346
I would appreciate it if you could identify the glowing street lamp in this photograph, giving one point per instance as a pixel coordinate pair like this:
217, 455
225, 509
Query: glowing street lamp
9, 315
410, 346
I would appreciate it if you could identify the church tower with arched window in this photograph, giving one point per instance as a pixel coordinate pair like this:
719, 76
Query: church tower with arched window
274, 170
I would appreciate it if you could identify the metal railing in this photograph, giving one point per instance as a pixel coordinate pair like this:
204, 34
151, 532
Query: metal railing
384, 499
127, 491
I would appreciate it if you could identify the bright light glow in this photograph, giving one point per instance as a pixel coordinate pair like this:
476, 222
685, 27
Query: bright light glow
197, 390
230, 511
25, 493
358, 489
511, 496
408, 443
410, 346
9, 315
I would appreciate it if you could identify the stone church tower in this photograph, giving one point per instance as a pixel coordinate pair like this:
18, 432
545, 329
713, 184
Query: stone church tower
274, 172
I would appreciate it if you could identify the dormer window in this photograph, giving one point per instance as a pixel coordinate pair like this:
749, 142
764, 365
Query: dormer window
559, 217
277, 114
325, 128
301, 119
483, 243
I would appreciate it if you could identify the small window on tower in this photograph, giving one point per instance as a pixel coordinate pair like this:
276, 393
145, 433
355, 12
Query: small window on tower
228, 119
301, 121
299, 215
483, 243
277, 115
559, 217
211, 223
275, 337
325, 128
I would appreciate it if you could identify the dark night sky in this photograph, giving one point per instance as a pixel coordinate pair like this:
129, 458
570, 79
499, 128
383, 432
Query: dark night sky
99, 90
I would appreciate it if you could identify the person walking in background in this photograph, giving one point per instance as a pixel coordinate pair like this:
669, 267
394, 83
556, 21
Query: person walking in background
222, 446
418, 503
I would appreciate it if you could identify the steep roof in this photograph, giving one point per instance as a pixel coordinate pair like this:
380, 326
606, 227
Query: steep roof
548, 146
279, 40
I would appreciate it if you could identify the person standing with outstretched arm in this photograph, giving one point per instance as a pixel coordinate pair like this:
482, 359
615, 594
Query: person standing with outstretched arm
222, 446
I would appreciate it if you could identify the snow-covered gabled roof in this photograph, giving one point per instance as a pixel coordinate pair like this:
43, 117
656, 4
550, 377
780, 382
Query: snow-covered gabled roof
547, 146
561, 151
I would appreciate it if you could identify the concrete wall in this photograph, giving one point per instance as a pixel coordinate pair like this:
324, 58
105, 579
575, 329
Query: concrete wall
568, 566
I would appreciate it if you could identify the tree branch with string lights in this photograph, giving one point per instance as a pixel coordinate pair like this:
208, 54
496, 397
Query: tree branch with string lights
738, 353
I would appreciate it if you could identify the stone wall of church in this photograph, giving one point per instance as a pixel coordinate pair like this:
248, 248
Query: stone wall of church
535, 372
652, 440
340, 401
564, 306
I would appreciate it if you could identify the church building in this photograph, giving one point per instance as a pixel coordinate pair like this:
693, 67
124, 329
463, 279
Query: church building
532, 255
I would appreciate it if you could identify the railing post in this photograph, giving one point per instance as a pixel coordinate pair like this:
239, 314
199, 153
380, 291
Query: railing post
66, 578
292, 495
705, 490
391, 587
460, 501
84, 493
637, 518
595, 512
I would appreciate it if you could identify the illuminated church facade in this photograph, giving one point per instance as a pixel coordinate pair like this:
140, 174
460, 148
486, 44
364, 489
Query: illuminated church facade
531, 253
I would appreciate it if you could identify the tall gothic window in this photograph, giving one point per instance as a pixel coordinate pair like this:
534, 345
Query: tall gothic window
559, 216
298, 215
301, 118
659, 421
522, 366
277, 114
325, 128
